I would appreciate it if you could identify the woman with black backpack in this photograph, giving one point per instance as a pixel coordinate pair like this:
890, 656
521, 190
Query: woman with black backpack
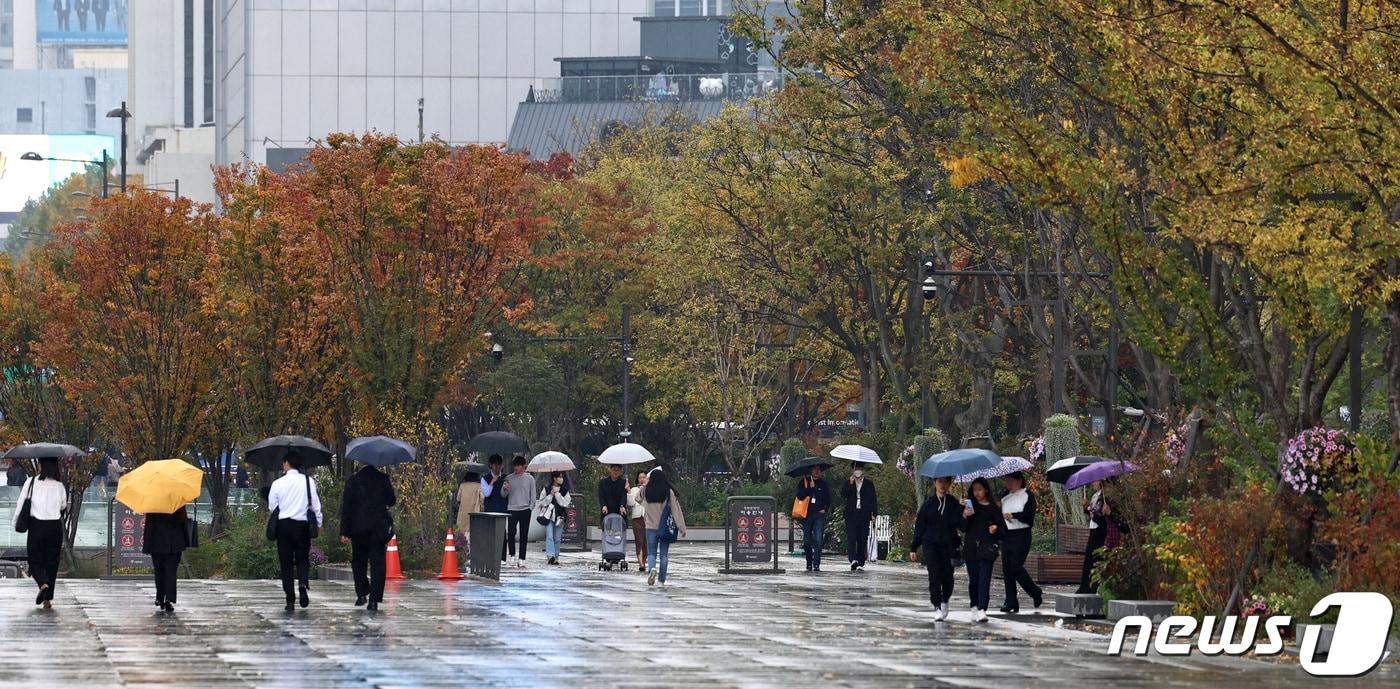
664, 521
985, 528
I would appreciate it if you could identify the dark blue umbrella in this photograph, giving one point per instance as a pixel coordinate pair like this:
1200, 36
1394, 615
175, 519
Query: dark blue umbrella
1099, 471
380, 451
958, 462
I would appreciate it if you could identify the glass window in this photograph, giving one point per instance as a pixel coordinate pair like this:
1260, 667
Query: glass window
663, 8
24, 114
91, 124
90, 83
689, 8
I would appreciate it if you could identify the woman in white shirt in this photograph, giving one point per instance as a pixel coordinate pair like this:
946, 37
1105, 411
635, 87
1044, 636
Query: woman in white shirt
637, 512
48, 501
1018, 508
552, 508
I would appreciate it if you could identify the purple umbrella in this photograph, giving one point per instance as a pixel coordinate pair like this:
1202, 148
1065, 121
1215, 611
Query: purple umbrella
1099, 471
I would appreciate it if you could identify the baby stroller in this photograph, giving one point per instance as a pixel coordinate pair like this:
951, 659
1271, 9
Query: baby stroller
614, 542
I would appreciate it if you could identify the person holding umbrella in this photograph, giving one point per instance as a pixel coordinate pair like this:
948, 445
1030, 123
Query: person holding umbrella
160, 490
935, 531
365, 522
818, 495
552, 508
861, 509
1018, 509
985, 528
39, 515
294, 501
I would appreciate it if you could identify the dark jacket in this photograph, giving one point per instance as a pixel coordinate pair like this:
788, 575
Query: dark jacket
938, 521
868, 506
818, 491
983, 516
364, 506
165, 533
1027, 515
496, 501
613, 494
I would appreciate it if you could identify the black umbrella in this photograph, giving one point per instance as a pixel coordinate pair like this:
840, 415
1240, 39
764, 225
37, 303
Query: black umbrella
380, 451
269, 452
1060, 471
498, 443
804, 467
43, 451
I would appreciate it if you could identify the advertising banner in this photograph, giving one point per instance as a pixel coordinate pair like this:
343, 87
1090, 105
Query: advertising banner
79, 22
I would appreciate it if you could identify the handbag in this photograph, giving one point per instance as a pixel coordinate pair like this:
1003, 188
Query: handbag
988, 550
799, 506
23, 518
313, 528
667, 531
544, 510
191, 533
271, 529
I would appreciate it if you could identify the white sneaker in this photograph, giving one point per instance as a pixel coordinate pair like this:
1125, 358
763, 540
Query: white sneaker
981, 615
943, 608
520, 563
939, 614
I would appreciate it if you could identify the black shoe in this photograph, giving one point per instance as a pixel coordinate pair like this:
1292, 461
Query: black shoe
168, 606
39, 599
1010, 606
855, 566
291, 603
305, 599
809, 566
816, 568
1037, 599
373, 605
160, 603
361, 601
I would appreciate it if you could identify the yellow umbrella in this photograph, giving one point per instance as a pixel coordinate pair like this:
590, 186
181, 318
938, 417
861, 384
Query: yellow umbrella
160, 487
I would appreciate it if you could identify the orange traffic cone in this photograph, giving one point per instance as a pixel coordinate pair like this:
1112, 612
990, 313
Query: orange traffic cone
392, 569
449, 559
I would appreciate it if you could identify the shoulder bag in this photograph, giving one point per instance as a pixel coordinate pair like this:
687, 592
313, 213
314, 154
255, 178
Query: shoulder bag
544, 509
313, 527
192, 531
799, 506
667, 531
23, 519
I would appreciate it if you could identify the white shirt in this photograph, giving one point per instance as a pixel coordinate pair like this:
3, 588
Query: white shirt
288, 497
637, 503
1015, 502
47, 502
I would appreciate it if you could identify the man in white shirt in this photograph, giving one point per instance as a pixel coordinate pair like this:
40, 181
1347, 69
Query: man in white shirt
294, 498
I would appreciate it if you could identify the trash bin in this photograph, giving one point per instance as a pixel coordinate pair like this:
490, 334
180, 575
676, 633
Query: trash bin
488, 534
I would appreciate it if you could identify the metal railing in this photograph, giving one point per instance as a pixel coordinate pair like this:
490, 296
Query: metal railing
92, 519
657, 88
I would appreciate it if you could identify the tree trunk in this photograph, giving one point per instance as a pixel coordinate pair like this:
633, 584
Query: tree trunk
1392, 374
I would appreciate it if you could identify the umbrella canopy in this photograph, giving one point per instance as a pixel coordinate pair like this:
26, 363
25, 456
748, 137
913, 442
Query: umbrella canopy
268, 453
464, 468
958, 462
1099, 471
380, 451
856, 453
550, 461
1060, 471
626, 453
1008, 465
43, 451
160, 487
804, 467
500, 443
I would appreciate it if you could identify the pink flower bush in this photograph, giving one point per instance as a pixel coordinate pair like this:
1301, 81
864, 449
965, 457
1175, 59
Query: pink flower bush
1036, 449
905, 463
1316, 460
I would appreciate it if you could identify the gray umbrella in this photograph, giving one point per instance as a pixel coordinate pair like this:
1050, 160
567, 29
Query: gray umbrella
500, 443
43, 451
380, 451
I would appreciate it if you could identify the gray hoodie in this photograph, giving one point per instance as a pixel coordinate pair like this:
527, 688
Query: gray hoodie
521, 495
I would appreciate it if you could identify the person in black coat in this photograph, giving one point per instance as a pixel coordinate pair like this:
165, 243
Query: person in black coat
365, 523
1018, 508
165, 540
818, 511
936, 531
861, 509
985, 528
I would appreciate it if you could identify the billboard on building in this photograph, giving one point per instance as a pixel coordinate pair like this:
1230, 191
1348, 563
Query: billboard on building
92, 22
22, 180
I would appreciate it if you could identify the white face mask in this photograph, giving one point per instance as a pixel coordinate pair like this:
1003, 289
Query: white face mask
858, 473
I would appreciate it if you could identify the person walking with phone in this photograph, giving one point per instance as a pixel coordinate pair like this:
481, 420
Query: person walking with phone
165, 540
295, 501
813, 489
637, 512
985, 528
664, 521
935, 531
42, 524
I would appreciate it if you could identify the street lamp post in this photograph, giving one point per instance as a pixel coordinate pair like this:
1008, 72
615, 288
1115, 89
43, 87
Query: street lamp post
123, 114
35, 157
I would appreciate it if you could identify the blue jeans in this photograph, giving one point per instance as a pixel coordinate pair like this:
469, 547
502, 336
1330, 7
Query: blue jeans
812, 528
658, 554
553, 532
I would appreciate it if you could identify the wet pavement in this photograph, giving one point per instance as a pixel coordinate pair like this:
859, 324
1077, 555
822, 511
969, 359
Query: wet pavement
574, 626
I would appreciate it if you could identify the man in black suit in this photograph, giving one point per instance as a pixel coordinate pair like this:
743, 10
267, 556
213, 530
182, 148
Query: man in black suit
861, 509
365, 523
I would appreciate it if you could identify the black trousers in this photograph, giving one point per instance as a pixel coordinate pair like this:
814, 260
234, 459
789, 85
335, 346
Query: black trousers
367, 564
167, 570
938, 559
1091, 556
44, 543
1015, 548
518, 528
293, 550
858, 539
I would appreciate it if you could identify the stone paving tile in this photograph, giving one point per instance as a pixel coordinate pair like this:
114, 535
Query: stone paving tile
573, 626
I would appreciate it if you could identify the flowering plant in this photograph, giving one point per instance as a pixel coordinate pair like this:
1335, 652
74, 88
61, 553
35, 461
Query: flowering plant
1036, 448
1256, 607
1176, 444
1317, 459
904, 463
317, 557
